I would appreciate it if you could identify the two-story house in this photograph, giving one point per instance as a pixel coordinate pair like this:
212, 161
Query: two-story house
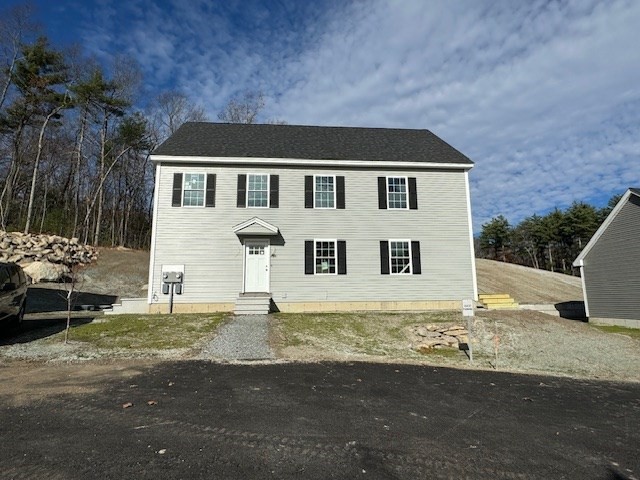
313, 218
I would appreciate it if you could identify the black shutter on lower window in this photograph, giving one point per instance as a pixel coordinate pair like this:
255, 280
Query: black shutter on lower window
340, 192
342, 257
415, 258
308, 257
382, 193
176, 199
274, 191
384, 257
413, 194
242, 191
308, 191
210, 197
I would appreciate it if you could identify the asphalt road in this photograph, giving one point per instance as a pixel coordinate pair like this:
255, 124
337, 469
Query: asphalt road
322, 421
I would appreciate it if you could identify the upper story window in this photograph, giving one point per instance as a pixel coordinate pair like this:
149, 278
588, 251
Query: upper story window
257, 190
398, 193
324, 192
194, 190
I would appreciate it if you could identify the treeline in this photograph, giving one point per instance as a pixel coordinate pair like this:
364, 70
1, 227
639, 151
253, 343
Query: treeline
75, 138
550, 242
74, 146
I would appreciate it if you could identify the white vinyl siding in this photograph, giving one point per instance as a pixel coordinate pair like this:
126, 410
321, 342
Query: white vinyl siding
214, 257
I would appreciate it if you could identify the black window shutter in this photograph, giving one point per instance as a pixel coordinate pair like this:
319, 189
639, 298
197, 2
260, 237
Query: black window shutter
382, 193
274, 191
415, 258
342, 257
308, 191
242, 191
413, 194
340, 192
210, 199
308, 257
176, 200
384, 257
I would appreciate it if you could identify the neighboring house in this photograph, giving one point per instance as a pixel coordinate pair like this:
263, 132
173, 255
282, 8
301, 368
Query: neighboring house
610, 266
315, 218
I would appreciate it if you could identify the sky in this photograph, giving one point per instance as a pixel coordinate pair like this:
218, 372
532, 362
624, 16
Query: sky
544, 96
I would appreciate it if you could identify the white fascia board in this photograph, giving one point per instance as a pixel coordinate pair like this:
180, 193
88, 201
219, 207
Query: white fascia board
307, 162
579, 261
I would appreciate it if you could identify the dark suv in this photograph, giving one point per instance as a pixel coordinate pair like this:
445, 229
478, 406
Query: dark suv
13, 293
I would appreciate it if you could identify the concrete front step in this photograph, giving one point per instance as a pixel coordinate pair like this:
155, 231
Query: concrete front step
129, 305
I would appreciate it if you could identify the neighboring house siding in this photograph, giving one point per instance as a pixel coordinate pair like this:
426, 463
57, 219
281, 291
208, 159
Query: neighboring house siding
612, 267
202, 238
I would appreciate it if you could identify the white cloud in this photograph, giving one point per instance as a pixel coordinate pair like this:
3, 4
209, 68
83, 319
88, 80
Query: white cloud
543, 96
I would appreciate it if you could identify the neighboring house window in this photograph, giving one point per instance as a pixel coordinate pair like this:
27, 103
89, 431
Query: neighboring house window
258, 190
324, 191
325, 257
397, 193
400, 257
194, 190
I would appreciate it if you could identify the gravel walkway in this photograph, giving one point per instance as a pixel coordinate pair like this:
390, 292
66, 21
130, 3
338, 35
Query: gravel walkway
246, 337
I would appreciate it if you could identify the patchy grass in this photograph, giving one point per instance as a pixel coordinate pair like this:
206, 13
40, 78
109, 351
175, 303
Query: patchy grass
629, 332
145, 332
359, 334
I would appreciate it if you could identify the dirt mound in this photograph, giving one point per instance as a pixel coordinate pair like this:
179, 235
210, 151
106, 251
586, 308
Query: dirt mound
118, 271
527, 285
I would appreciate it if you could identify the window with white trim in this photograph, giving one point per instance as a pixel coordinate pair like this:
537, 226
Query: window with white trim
193, 190
258, 190
325, 257
324, 191
400, 257
397, 192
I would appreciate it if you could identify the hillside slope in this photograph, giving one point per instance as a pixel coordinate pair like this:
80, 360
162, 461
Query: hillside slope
525, 284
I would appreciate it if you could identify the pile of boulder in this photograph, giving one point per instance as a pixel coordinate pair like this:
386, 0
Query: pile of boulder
45, 258
436, 336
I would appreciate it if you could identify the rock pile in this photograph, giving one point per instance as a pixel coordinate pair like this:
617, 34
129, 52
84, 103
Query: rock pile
435, 336
44, 257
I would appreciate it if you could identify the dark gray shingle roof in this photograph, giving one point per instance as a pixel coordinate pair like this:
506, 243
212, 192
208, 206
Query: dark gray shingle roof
309, 142
635, 190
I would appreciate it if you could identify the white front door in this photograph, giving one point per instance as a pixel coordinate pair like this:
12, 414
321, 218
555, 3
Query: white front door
256, 266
